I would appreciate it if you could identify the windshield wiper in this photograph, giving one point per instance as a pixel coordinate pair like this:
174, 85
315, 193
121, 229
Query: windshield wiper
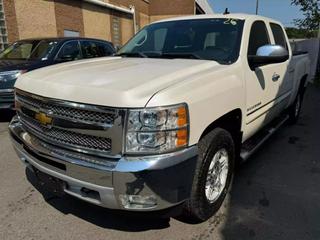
180, 55
162, 55
132, 54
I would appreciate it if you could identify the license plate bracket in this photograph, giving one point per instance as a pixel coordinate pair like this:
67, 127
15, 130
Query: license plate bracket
50, 183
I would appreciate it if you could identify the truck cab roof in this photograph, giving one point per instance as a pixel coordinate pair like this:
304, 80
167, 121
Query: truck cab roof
241, 16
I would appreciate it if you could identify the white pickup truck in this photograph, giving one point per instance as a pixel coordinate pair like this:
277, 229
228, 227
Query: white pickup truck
163, 122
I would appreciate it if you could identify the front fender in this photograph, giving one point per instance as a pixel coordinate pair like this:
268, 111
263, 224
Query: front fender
209, 96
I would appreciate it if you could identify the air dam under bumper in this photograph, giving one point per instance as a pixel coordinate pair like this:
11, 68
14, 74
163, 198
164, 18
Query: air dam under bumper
130, 183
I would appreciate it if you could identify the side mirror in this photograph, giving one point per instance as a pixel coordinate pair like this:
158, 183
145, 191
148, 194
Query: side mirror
268, 54
65, 58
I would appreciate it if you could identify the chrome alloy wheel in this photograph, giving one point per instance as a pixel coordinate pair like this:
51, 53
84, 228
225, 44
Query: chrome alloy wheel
217, 175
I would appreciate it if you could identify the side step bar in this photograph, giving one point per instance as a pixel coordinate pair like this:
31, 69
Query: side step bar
250, 146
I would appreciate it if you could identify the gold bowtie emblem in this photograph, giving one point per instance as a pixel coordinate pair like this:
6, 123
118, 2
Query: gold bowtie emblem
43, 118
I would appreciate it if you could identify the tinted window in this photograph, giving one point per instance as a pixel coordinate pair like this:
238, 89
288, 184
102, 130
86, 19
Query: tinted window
34, 49
43, 50
278, 35
159, 38
209, 39
105, 49
258, 37
91, 49
70, 51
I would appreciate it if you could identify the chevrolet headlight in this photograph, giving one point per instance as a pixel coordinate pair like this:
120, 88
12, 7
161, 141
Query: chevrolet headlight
10, 75
157, 130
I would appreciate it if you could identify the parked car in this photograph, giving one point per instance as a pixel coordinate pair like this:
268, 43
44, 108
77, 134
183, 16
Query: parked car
164, 122
27, 55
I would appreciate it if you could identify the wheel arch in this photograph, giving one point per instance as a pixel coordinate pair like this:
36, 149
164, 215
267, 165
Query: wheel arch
231, 121
303, 81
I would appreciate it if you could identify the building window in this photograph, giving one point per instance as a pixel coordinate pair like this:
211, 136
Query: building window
70, 33
116, 30
3, 28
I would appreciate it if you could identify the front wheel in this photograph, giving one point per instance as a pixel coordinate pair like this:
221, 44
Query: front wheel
213, 175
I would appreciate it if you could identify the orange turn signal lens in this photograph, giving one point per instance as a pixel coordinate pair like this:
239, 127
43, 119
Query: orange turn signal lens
182, 137
182, 116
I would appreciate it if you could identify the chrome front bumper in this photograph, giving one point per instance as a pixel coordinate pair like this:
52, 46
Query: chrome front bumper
167, 179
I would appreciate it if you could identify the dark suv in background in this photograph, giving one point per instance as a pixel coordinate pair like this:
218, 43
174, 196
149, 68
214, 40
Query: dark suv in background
27, 55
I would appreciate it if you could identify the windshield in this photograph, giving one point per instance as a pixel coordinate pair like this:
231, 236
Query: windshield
25, 50
208, 39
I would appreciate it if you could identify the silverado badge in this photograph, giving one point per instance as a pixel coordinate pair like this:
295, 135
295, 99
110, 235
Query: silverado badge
43, 118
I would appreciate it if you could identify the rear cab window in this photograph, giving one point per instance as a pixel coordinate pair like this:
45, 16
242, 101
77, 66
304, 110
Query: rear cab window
278, 35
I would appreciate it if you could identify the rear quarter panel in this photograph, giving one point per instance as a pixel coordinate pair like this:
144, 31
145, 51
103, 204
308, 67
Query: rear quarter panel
300, 65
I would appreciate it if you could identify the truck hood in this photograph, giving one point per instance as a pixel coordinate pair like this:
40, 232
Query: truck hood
112, 81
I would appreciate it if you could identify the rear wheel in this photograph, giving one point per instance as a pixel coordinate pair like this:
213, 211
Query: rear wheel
295, 109
213, 175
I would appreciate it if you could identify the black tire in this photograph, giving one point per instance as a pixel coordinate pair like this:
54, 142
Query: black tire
295, 109
198, 208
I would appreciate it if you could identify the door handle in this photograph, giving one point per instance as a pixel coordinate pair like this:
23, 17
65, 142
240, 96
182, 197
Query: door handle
275, 77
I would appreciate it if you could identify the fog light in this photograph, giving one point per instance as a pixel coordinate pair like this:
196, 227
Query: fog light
138, 202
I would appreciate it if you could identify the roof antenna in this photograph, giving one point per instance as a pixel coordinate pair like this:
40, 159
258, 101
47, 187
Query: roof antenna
226, 12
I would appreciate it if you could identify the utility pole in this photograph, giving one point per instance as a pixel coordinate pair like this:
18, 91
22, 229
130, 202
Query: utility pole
257, 7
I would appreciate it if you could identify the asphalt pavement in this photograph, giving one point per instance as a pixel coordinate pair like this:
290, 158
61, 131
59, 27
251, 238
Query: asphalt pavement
276, 195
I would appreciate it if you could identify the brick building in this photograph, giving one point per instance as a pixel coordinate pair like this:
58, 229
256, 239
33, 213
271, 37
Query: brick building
113, 20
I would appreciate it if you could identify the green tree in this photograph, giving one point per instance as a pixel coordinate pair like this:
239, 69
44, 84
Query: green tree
311, 12
295, 33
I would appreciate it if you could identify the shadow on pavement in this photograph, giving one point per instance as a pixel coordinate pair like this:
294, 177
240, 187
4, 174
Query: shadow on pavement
276, 193
6, 115
105, 218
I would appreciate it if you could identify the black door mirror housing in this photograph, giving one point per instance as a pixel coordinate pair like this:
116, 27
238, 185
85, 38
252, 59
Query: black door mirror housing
65, 58
268, 54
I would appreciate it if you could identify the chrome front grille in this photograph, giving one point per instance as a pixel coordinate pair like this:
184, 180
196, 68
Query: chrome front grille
80, 114
66, 138
87, 129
